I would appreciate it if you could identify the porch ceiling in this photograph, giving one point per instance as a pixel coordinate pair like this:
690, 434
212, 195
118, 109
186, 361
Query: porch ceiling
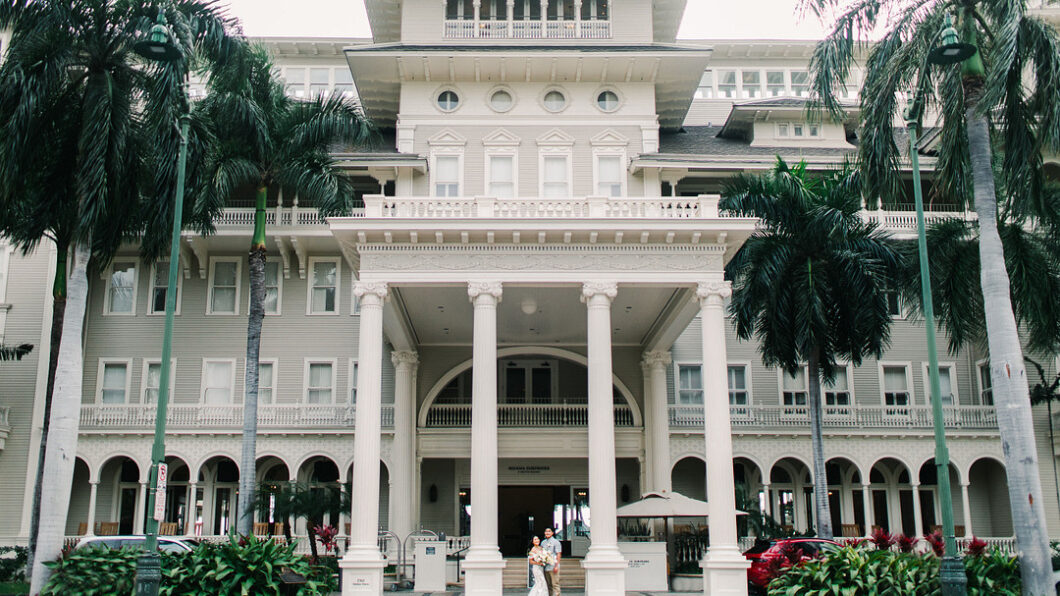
443, 315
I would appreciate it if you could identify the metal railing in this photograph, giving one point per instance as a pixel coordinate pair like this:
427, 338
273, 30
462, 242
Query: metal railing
846, 417
191, 416
526, 29
524, 415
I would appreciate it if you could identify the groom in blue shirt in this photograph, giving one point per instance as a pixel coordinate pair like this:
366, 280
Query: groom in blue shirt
552, 571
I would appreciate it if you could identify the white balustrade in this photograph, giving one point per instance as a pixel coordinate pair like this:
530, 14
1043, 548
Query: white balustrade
185, 416
285, 216
524, 415
846, 417
526, 29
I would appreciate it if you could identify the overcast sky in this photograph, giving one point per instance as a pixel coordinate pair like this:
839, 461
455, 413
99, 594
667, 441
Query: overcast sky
709, 19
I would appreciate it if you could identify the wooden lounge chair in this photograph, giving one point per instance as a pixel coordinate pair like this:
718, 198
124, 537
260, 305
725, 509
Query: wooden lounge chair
851, 530
108, 529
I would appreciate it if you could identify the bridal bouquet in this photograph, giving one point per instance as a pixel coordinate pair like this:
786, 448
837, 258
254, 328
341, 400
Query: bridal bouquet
543, 557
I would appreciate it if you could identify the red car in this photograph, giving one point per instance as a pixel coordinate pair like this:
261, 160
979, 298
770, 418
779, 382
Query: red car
766, 555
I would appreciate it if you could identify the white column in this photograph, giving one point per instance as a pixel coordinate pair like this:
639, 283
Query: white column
768, 509
403, 476
655, 402
511, 17
724, 568
967, 509
362, 567
484, 564
918, 519
866, 503
141, 508
605, 568
190, 516
91, 522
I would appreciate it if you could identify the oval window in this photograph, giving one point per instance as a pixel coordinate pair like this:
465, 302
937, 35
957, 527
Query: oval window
501, 101
555, 101
448, 100
607, 101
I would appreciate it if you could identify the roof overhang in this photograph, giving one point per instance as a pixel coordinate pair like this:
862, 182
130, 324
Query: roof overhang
742, 116
354, 161
379, 70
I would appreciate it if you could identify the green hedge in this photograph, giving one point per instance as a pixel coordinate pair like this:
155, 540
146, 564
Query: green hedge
859, 571
241, 566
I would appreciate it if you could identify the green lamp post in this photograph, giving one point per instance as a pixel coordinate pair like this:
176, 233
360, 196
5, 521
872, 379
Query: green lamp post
951, 575
158, 47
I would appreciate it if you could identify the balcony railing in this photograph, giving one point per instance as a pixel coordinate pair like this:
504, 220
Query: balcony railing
842, 417
503, 29
192, 416
282, 216
524, 415
703, 206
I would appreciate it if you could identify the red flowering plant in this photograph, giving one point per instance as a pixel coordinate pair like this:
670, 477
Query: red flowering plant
882, 539
938, 545
788, 556
906, 544
976, 548
327, 537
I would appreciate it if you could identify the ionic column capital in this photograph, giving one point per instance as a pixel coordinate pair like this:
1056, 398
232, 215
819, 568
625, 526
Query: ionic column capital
370, 289
656, 359
592, 289
475, 289
405, 360
713, 293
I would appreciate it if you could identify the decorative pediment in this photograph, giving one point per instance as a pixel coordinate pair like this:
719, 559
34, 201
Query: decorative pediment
555, 137
609, 138
447, 138
501, 138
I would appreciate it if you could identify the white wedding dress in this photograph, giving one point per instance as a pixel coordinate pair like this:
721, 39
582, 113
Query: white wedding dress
540, 588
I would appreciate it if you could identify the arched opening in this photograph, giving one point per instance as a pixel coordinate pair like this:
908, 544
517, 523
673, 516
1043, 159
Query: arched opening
320, 477
217, 502
930, 503
384, 497
175, 519
80, 494
120, 500
273, 476
791, 501
988, 498
891, 497
845, 499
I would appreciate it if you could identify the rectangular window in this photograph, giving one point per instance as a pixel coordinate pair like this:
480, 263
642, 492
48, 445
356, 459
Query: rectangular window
320, 384
609, 175
224, 286
295, 82
798, 130
706, 86
447, 176
837, 393
738, 385
353, 381
775, 83
986, 385
344, 83
815, 131
794, 388
894, 302
159, 286
319, 81
555, 183
273, 288
896, 389
218, 379
752, 83
114, 383
266, 382
121, 291
782, 130
324, 286
727, 83
946, 386
800, 83
153, 378
690, 385
502, 177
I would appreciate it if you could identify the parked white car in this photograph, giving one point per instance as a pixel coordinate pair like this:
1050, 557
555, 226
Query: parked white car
169, 544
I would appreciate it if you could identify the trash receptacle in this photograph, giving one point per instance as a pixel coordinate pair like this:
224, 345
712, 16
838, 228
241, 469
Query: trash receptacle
430, 566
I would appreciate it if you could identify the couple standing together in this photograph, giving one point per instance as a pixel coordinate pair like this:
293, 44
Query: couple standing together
544, 565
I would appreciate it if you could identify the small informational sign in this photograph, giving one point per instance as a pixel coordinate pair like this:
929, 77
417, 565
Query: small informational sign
160, 492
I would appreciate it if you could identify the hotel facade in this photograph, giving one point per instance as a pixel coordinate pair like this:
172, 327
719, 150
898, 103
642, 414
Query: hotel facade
521, 325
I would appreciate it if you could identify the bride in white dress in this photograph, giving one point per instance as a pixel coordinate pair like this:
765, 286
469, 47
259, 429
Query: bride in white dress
537, 569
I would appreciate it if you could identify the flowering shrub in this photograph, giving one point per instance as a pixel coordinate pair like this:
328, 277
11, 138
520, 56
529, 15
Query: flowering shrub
938, 545
327, 536
882, 539
905, 543
976, 548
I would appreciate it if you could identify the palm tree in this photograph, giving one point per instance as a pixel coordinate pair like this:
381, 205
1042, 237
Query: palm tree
1004, 94
810, 283
268, 140
308, 502
70, 76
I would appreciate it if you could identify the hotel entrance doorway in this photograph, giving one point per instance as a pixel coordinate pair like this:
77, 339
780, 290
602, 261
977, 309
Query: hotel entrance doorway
525, 512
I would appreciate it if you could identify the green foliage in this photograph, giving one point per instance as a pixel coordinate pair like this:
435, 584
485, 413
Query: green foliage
13, 563
858, 571
241, 566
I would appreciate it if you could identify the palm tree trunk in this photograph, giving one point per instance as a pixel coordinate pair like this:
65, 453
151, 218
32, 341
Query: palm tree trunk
62, 251
1007, 369
311, 534
66, 402
820, 476
248, 465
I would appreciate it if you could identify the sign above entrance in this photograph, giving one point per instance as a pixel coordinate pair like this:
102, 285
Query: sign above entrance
526, 470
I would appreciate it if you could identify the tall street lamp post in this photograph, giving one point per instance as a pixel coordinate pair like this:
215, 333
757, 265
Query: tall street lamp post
159, 48
952, 575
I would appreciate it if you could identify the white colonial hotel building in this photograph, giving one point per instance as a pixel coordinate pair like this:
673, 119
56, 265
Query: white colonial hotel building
523, 323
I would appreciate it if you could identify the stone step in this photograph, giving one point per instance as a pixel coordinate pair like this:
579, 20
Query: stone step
571, 574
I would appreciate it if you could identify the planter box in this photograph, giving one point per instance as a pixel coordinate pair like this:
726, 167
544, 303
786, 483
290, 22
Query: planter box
646, 565
687, 582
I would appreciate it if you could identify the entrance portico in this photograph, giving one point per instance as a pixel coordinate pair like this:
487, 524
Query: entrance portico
638, 297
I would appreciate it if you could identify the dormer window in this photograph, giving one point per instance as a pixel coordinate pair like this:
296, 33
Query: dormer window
798, 130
